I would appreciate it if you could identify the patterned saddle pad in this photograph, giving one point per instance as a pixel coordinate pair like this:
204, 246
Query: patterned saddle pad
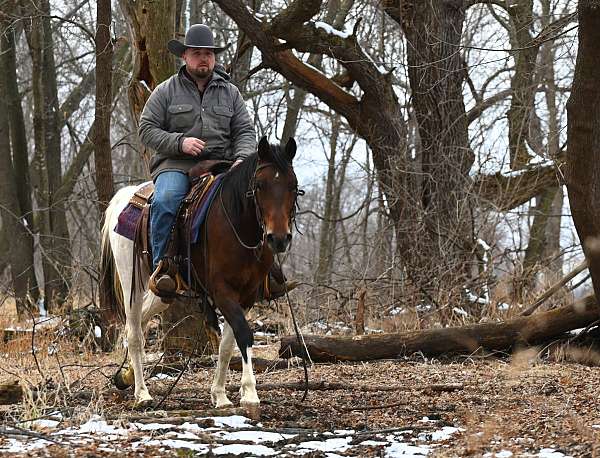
205, 190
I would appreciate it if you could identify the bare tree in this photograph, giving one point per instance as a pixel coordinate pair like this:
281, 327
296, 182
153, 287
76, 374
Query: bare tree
102, 147
583, 132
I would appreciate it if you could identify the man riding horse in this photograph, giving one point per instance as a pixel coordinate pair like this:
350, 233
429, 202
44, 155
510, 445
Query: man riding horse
196, 114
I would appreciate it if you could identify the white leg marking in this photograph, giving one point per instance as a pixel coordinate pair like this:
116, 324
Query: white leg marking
217, 390
248, 395
135, 344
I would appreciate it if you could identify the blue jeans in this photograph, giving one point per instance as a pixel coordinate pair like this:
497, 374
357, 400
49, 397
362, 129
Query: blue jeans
170, 188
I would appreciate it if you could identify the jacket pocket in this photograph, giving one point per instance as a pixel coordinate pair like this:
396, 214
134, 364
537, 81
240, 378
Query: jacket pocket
221, 120
181, 117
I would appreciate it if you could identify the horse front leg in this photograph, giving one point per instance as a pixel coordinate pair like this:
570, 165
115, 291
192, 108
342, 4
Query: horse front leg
248, 394
217, 390
244, 337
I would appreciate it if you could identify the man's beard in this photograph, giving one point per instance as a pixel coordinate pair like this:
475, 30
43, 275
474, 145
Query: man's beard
201, 73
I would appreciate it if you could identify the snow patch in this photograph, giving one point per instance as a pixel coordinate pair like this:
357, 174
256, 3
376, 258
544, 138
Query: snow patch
239, 449
330, 30
401, 449
340, 444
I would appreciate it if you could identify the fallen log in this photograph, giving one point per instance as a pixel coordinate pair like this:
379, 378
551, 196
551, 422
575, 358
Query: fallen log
524, 330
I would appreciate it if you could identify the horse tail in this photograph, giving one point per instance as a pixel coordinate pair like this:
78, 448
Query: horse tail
110, 289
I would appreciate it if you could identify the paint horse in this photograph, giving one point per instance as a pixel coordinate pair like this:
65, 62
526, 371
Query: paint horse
249, 221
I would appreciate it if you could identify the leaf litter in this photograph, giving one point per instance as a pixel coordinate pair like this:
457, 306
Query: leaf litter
495, 409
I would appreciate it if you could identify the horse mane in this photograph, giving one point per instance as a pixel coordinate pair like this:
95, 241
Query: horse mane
236, 182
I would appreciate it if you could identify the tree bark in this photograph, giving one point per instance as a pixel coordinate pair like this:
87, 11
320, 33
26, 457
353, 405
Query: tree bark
583, 136
532, 330
522, 83
152, 24
103, 153
25, 248
54, 234
9, 203
326, 236
57, 286
433, 31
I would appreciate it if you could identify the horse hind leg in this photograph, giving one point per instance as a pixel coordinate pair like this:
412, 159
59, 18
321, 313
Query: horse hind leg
152, 305
135, 345
217, 390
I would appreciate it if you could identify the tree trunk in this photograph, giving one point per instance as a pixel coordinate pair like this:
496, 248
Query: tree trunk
54, 234
583, 136
9, 203
57, 288
553, 228
153, 25
524, 127
522, 84
444, 245
20, 164
537, 235
326, 236
102, 147
531, 330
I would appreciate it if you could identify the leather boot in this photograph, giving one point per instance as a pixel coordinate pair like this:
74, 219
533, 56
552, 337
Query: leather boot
163, 281
275, 284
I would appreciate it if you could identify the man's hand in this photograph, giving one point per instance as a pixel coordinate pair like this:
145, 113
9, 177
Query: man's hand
192, 146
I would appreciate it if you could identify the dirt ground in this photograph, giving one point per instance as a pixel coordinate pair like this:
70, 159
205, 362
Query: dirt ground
513, 404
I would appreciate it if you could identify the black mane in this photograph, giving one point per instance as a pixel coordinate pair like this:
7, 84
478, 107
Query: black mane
236, 182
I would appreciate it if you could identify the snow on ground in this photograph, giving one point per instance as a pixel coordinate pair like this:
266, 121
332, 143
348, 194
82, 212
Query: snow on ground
238, 435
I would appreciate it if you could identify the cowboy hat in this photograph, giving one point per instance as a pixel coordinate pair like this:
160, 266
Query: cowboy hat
198, 36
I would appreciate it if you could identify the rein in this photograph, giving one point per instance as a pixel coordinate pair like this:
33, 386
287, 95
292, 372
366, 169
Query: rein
252, 193
237, 236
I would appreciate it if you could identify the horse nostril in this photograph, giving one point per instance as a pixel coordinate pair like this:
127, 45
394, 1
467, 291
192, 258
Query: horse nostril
269, 239
288, 237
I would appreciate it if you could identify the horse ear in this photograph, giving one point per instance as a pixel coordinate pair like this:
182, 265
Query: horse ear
264, 150
290, 149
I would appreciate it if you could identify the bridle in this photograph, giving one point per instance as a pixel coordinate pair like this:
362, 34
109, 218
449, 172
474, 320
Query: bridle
252, 193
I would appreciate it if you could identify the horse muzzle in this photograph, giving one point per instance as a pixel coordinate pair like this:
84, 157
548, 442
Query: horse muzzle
278, 243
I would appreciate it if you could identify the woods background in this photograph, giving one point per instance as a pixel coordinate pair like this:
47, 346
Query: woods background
433, 145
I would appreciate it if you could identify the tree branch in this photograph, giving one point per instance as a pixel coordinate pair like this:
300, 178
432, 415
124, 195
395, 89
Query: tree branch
298, 12
509, 191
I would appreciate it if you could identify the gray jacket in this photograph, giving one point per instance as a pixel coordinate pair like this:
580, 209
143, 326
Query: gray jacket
176, 109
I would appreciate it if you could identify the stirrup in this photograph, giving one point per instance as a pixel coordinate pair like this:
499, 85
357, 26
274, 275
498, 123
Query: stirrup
162, 282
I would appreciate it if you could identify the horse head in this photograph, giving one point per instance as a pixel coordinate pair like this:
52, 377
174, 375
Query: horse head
275, 190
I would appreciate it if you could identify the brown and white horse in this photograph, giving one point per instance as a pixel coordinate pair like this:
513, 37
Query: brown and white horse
250, 219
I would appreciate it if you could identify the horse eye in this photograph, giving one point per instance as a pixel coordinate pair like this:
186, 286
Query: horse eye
259, 185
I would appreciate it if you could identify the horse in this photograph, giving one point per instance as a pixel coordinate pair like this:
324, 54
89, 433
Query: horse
250, 220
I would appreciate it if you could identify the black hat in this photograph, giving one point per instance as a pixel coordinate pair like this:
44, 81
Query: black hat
198, 36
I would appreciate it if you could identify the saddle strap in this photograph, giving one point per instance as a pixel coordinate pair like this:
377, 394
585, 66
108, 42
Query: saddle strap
142, 195
145, 235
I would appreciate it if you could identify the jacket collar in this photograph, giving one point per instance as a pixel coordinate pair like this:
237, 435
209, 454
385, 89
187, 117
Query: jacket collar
218, 75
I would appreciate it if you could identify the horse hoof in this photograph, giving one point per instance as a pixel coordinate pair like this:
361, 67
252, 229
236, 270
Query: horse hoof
120, 382
224, 405
252, 409
143, 404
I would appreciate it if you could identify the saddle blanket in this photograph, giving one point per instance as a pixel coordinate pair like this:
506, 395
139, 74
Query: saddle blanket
130, 216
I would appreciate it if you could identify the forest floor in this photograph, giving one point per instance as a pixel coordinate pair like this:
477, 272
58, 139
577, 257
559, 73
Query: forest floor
512, 406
